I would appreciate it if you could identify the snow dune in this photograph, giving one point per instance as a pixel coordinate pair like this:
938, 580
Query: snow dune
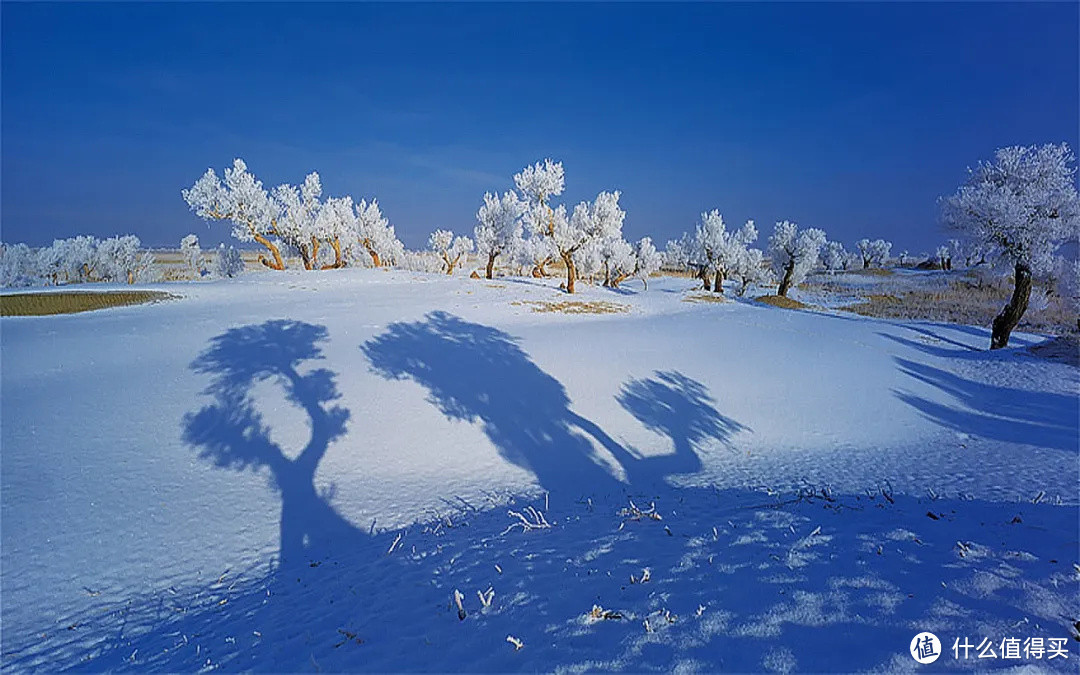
216, 481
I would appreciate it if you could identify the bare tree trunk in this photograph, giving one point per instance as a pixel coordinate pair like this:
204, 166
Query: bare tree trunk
277, 263
607, 275
1006, 321
491, 265
718, 283
571, 271
338, 262
703, 274
785, 283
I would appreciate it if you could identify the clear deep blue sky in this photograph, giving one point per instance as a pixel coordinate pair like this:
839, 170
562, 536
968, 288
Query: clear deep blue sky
853, 118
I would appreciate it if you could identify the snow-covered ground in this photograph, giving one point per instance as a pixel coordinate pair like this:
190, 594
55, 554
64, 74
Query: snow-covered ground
295, 471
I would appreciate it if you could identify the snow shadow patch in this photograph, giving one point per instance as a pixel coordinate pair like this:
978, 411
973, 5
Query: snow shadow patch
999, 413
231, 432
480, 374
734, 580
681, 408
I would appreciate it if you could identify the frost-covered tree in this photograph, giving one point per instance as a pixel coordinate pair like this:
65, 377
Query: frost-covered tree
750, 268
873, 252
637, 261
299, 210
1023, 205
450, 249
677, 253
498, 227
376, 235
717, 250
241, 199
18, 265
228, 263
334, 223
794, 253
538, 184
536, 252
600, 220
1068, 285
192, 254
834, 257
944, 257
120, 259
614, 256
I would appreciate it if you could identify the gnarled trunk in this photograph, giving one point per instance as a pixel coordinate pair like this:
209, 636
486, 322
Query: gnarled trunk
277, 263
571, 271
491, 265
785, 282
703, 274
338, 262
718, 282
1006, 321
538, 270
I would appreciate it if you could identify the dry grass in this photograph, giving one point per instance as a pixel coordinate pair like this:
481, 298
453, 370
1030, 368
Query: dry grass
781, 301
873, 272
705, 297
964, 303
575, 307
71, 302
682, 274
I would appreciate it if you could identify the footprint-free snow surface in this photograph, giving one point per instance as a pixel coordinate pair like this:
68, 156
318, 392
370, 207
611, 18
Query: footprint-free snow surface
316, 471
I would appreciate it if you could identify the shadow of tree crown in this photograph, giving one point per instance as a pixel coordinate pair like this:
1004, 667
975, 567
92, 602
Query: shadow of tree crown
231, 432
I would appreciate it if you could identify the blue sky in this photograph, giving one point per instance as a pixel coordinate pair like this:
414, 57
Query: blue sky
849, 117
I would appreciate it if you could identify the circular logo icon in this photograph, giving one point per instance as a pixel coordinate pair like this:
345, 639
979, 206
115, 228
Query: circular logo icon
925, 648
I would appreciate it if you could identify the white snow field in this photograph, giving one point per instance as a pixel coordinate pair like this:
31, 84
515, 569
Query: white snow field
296, 471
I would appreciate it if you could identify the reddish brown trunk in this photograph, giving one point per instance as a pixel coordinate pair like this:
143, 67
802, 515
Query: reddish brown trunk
338, 262
1010, 316
277, 263
374, 256
571, 272
491, 265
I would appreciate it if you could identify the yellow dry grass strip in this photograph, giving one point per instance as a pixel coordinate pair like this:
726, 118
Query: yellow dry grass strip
71, 302
873, 272
574, 307
705, 297
781, 301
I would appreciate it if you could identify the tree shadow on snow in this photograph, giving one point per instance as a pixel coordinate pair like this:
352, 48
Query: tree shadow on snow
680, 408
341, 599
480, 374
998, 413
231, 433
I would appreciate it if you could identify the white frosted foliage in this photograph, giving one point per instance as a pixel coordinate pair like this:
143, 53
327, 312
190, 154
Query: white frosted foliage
794, 252
1022, 205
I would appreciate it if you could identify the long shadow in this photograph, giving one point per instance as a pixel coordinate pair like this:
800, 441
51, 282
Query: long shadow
231, 433
934, 341
999, 413
681, 408
480, 374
